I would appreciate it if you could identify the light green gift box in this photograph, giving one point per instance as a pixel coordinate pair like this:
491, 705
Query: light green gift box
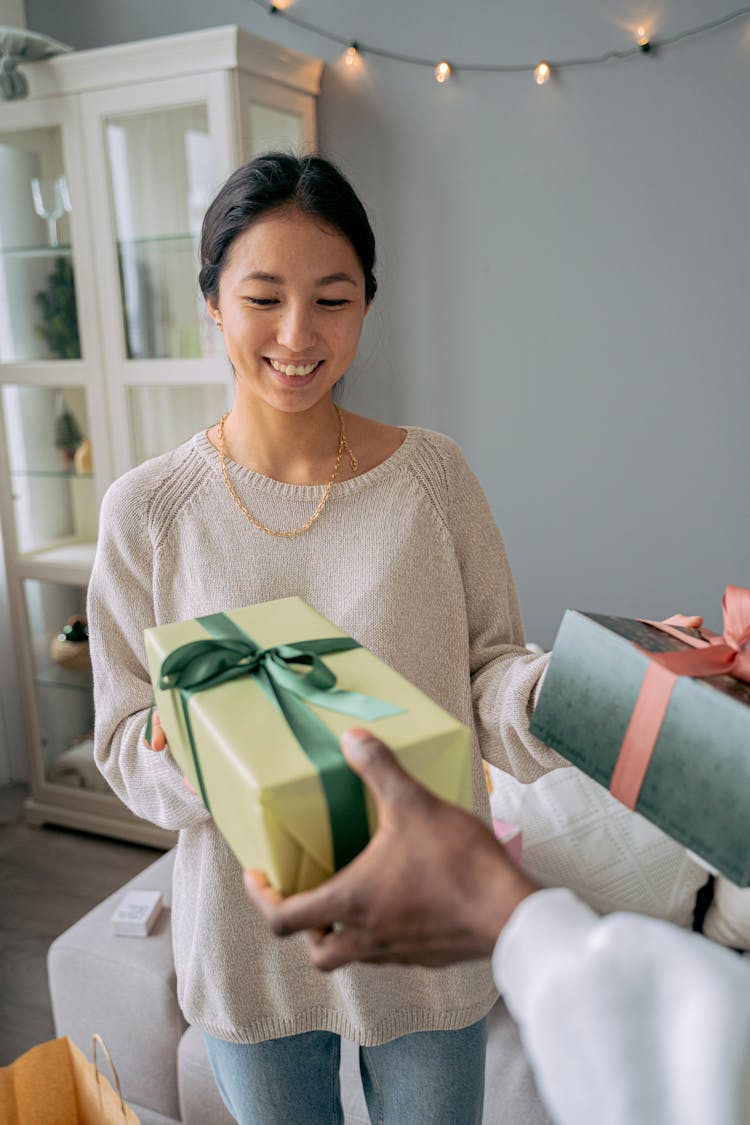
253, 702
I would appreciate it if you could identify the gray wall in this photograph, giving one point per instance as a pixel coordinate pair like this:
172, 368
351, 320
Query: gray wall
564, 273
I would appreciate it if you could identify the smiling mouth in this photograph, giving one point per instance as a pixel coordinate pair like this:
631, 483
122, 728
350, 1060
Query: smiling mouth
296, 370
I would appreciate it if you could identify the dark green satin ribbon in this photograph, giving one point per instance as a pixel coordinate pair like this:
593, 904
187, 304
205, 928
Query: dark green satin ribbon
293, 676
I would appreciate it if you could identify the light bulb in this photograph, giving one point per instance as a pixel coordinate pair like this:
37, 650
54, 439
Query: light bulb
442, 72
352, 54
642, 39
542, 73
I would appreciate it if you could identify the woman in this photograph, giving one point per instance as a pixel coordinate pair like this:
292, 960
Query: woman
386, 532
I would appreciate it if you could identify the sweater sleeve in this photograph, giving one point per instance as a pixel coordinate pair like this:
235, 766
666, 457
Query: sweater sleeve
504, 674
120, 607
626, 1018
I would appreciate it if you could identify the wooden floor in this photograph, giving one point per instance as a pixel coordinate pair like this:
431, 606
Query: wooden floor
49, 877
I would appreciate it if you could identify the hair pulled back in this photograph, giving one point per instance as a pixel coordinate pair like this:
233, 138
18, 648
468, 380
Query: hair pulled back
270, 182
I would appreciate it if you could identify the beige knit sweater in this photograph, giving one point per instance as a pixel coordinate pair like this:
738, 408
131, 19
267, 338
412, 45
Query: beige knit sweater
407, 559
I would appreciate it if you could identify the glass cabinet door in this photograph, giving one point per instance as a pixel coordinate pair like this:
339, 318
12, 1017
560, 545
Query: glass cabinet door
275, 116
160, 173
38, 313
55, 618
274, 128
162, 417
50, 454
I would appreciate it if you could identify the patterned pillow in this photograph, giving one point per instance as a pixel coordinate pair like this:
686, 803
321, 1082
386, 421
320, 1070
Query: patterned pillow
19, 46
575, 834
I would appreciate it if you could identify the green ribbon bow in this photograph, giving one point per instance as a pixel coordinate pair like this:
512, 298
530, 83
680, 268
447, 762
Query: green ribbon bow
293, 676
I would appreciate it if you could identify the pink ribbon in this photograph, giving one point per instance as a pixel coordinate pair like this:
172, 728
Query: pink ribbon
715, 655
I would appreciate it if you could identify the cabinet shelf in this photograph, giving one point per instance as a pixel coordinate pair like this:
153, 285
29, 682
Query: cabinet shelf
44, 682
53, 473
66, 554
178, 240
35, 251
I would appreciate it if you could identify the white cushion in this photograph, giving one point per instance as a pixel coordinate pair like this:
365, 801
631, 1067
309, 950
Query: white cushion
575, 834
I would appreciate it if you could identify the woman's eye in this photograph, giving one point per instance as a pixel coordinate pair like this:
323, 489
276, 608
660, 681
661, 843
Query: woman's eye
270, 302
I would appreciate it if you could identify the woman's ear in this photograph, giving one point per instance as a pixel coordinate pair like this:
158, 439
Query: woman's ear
215, 313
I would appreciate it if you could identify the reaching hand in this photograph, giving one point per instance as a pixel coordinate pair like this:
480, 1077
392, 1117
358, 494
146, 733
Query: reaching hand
432, 887
690, 622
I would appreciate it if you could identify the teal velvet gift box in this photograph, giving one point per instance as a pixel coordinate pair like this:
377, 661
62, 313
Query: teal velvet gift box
695, 780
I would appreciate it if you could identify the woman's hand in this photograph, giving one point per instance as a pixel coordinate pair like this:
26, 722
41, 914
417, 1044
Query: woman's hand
158, 737
159, 742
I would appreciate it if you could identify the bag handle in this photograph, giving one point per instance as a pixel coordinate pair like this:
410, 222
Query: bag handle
96, 1038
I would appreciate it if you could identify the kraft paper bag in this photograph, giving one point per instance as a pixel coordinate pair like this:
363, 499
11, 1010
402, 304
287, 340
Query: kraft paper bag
55, 1084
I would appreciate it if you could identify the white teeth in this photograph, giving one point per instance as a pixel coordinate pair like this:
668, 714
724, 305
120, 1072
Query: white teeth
294, 368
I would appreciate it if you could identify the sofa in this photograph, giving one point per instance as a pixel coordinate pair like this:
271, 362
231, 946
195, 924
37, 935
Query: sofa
124, 988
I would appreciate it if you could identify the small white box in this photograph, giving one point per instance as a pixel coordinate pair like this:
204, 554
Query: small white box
136, 913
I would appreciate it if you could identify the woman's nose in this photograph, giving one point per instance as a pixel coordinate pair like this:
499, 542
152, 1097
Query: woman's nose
295, 330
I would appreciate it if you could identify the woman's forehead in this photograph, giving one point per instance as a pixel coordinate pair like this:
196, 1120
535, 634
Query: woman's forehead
289, 239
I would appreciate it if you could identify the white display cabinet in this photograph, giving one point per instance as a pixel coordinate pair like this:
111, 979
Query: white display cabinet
107, 357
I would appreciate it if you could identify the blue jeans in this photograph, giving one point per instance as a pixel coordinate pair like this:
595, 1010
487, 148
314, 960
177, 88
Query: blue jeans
426, 1078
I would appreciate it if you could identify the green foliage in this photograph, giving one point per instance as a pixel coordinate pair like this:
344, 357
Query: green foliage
68, 434
59, 327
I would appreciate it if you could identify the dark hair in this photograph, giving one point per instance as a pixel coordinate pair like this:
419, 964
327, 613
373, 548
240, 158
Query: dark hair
273, 181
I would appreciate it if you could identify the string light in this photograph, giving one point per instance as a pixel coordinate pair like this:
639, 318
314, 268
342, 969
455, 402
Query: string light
542, 73
642, 45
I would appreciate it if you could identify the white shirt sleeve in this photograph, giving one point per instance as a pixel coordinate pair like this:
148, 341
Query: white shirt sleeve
626, 1018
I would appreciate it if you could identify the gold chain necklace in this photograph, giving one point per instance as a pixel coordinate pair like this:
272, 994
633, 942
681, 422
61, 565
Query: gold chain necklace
343, 447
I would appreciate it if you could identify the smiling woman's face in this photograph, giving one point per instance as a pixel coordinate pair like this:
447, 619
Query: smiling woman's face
291, 305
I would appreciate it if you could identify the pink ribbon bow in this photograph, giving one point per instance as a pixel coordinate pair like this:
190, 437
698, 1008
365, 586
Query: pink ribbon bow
714, 656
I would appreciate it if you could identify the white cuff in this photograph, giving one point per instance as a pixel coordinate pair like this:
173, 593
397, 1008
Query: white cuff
548, 927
